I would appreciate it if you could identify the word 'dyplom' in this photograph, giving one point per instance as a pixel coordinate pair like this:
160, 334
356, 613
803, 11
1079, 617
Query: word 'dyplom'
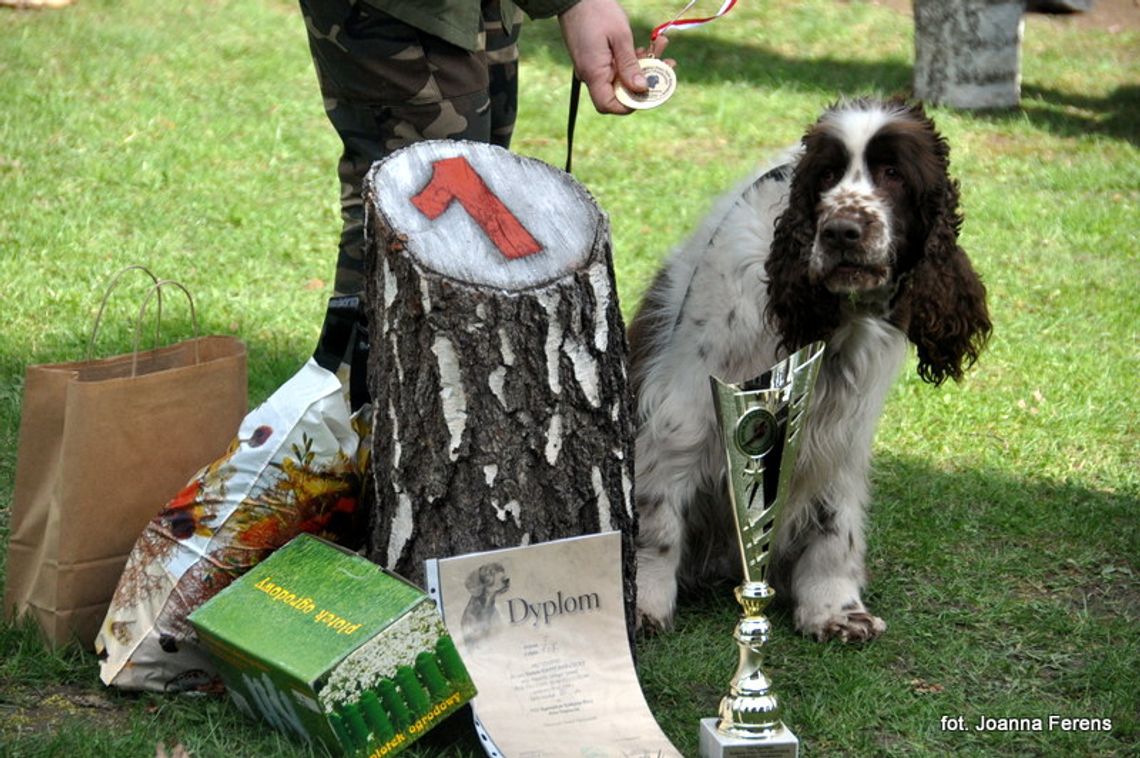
522, 611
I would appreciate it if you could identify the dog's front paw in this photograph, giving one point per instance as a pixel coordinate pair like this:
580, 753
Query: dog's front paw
655, 609
649, 626
858, 626
656, 589
853, 625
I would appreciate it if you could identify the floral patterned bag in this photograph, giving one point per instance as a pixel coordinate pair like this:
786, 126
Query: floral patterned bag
297, 465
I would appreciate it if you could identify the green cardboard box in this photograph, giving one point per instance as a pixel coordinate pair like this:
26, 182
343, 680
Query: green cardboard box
327, 646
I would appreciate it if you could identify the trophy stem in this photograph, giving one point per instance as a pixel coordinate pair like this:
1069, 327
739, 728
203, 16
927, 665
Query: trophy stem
751, 708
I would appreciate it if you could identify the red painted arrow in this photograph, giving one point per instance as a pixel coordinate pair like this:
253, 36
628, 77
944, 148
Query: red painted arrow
455, 179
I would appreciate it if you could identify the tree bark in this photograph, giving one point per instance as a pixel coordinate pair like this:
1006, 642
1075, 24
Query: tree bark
498, 359
968, 52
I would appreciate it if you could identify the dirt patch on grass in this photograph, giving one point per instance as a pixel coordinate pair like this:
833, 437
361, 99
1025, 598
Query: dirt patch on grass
26, 711
1110, 591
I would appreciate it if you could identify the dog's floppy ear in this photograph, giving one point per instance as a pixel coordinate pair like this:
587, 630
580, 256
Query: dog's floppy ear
942, 303
798, 310
475, 583
793, 300
945, 300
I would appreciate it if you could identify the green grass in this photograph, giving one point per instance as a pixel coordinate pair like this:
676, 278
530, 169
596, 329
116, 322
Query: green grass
1004, 539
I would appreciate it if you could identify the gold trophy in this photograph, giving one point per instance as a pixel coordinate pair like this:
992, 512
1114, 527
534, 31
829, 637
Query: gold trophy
761, 422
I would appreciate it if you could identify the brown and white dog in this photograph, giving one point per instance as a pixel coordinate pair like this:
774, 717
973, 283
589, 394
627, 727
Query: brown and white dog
851, 238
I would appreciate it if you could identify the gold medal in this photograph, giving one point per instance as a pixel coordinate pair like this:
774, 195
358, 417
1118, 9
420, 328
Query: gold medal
662, 83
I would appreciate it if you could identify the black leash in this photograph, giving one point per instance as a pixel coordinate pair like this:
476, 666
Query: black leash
575, 95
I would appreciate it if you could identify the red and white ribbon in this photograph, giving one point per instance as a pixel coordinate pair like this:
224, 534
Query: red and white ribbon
689, 23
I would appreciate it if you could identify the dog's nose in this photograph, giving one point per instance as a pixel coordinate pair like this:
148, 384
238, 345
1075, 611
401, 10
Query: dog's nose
841, 233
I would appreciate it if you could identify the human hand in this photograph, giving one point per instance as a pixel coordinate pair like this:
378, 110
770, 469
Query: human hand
600, 43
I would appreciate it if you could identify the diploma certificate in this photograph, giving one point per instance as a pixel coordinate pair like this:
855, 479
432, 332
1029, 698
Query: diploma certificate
542, 631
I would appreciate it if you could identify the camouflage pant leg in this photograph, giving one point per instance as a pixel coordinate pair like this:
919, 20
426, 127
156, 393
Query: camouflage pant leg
386, 85
502, 54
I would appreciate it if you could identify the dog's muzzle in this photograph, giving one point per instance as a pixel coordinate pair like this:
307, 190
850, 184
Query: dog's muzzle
852, 250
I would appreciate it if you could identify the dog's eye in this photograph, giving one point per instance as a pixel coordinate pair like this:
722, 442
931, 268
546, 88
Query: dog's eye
889, 173
828, 178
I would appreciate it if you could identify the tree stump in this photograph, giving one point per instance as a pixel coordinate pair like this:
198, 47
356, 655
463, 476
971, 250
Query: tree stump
498, 359
968, 52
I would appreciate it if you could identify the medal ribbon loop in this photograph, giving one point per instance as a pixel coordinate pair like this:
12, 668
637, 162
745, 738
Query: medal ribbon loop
689, 23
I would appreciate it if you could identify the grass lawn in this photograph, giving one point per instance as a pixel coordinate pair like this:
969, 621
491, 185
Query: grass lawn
1004, 536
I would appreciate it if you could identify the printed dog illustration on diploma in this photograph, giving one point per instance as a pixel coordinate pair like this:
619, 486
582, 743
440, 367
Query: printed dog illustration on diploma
481, 617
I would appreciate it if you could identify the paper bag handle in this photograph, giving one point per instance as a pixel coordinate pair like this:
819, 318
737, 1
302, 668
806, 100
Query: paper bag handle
156, 293
107, 296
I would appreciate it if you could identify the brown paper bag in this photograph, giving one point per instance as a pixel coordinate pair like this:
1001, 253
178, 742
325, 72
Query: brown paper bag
103, 445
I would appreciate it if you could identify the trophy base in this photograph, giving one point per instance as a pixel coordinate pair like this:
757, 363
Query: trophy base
780, 744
